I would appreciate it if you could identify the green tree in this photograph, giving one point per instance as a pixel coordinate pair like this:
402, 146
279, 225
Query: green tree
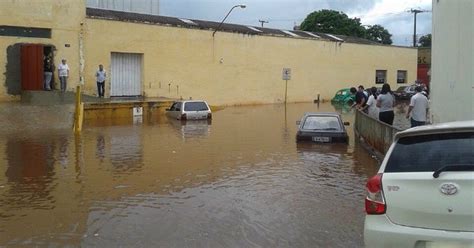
425, 40
379, 34
333, 22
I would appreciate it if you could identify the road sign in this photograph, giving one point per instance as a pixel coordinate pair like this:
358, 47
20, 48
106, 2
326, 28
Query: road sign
286, 75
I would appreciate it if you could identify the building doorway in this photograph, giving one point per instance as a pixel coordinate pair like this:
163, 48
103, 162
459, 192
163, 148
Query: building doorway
34, 60
126, 71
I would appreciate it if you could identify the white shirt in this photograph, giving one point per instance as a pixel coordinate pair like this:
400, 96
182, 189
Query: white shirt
373, 109
101, 75
386, 102
419, 102
63, 70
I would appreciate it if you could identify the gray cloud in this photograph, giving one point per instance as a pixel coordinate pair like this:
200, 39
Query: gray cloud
285, 14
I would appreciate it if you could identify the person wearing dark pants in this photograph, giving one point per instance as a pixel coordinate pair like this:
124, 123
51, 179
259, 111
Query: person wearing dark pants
418, 108
386, 102
101, 75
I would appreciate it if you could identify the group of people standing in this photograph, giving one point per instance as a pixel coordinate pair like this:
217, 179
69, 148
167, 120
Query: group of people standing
63, 74
380, 105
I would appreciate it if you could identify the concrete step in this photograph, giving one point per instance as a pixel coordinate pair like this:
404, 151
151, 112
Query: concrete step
20, 118
53, 97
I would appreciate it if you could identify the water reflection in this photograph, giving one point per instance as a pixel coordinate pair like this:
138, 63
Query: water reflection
236, 182
29, 171
192, 129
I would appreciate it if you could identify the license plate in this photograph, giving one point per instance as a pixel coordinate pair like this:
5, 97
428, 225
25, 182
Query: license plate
322, 139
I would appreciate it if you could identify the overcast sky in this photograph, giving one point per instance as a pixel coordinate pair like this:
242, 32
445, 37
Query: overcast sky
284, 14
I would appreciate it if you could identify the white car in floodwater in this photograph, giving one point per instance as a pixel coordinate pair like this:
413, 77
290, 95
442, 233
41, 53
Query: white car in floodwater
189, 110
423, 194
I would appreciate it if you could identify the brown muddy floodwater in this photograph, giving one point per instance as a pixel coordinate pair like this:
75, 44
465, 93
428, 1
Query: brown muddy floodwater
240, 181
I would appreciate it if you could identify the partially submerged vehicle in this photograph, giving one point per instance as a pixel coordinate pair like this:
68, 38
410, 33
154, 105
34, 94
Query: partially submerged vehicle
189, 110
322, 128
343, 96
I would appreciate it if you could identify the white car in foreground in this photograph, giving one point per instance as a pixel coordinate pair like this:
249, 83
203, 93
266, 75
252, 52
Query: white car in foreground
423, 194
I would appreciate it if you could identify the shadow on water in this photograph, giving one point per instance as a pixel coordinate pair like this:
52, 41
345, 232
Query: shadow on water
238, 181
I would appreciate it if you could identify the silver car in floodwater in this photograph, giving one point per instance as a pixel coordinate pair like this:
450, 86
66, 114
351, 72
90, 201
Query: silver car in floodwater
322, 128
189, 110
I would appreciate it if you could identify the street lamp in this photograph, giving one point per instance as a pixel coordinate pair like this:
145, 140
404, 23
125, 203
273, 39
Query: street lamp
220, 24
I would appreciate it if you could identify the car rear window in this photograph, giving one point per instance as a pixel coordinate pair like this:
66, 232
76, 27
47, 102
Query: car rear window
325, 123
195, 106
430, 152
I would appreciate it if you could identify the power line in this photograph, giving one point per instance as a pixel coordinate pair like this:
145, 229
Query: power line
415, 12
262, 22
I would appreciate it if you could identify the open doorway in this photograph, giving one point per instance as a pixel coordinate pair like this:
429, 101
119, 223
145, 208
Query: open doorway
48, 65
37, 67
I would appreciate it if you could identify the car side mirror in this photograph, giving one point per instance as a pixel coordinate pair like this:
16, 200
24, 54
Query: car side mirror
346, 123
298, 122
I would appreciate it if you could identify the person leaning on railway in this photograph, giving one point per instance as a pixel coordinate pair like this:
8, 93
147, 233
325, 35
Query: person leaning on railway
371, 106
385, 103
360, 97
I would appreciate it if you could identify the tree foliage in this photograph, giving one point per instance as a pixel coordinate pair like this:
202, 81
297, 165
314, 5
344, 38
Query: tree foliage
379, 34
425, 40
335, 22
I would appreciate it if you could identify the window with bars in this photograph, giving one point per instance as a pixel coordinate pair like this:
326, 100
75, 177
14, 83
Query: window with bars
380, 76
401, 77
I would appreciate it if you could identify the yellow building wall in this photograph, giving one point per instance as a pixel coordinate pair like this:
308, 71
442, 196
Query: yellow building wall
227, 69
63, 17
234, 68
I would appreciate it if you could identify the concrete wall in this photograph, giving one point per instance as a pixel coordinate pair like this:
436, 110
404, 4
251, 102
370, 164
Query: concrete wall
63, 17
228, 69
233, 68
452, 82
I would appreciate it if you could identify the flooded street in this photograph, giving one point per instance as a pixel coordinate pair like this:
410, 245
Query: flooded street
240, 181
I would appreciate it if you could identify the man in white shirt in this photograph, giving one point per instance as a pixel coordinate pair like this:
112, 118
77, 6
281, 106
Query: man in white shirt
418, 108
63, 72
101, 75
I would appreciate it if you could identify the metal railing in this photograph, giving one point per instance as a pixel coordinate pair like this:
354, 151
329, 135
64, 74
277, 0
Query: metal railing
375, 133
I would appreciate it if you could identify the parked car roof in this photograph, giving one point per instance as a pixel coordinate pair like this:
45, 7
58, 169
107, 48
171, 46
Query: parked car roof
438, 128
322, 113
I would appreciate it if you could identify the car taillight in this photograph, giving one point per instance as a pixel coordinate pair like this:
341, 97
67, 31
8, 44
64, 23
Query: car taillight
209, 115
183, 117
375, 202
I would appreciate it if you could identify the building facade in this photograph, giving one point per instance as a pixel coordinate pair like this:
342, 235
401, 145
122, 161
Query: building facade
154, 56
452, 69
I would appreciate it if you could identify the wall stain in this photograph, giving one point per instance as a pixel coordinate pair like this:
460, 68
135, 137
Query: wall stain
13, 70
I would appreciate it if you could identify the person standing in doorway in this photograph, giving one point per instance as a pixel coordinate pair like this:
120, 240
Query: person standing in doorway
101, 75
386, 102
48, 72
418, 108
63, 72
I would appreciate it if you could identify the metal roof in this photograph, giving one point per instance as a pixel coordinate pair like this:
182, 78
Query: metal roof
209, 25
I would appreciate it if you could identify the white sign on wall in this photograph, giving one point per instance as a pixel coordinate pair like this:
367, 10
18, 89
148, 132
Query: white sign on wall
286, 74
137, 111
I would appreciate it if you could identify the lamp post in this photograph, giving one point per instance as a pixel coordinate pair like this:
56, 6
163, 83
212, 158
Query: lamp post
220, 24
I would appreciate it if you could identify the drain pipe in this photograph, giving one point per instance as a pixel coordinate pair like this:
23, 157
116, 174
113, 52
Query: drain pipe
81, 54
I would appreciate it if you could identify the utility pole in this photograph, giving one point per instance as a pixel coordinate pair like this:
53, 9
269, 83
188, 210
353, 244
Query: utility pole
415, 12
262, 22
